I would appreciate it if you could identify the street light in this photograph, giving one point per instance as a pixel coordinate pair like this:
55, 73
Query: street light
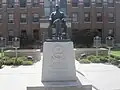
2, 44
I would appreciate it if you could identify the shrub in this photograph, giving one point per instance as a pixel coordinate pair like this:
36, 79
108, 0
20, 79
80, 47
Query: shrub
93, 59
18, 62
117, 57
27, 62
5, 58
113, 56
1, 63
22, 58
9, 62
103, 59
86, 61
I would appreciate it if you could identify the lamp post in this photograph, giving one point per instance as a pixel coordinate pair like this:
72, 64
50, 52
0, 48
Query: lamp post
16, 44
109, 43
97, 43
2, 44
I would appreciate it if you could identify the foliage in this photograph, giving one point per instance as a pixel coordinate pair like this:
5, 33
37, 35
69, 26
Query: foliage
93, 59
1, 63
103, 59
86, 61
9, 62
88, 36
22, 58
115, 60
18, 62
27, 62
5, 58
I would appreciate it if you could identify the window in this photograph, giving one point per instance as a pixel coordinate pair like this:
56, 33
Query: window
86, 3
98, 3
99, 17
10, 18
23, 18
36, 34
110, 3
74, 17
47, 11
110, 17
10, 3
74, 3
35, 3
46, 7
10, 35
35, 17
23, 33
87, 16
4, 1
0, 18
22, 3
63, 3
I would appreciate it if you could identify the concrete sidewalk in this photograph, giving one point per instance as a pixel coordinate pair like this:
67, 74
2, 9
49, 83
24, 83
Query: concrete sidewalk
103, 77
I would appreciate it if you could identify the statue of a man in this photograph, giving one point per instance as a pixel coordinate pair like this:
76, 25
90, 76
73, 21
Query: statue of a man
57, 14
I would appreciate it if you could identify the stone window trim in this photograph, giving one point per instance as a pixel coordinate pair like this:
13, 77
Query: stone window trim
111, 17
86, 16
75, 17
23, 18
99, 17
99, 3
87, 3
35, 17
10, 18
10, 3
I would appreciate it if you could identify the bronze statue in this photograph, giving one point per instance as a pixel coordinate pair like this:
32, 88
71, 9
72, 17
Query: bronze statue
58, 22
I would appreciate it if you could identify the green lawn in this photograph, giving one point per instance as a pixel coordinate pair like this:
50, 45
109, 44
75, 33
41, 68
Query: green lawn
117, 53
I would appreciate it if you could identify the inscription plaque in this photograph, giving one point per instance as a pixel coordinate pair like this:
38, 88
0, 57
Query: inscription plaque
58, 61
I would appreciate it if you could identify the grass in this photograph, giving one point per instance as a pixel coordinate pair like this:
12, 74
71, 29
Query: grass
117, 53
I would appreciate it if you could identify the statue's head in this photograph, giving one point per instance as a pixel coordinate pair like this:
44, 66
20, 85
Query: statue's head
57, 7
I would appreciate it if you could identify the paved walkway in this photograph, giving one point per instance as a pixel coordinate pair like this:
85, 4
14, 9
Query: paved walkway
104, 77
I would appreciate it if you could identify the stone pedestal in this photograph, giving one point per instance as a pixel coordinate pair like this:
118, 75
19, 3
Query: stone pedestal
58, 62
58, 70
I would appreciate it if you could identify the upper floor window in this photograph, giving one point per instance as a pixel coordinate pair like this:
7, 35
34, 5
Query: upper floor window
0, 18
99, 3
10, 18
22, 3
75, 17
75, 3
4, 1
23, 18
99, 17
87, 16
35, 3
10, 3
110, 17
47, 11
110, 3
86, 3
35, 17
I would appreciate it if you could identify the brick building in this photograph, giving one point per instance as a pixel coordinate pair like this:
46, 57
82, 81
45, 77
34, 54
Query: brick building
21, 17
